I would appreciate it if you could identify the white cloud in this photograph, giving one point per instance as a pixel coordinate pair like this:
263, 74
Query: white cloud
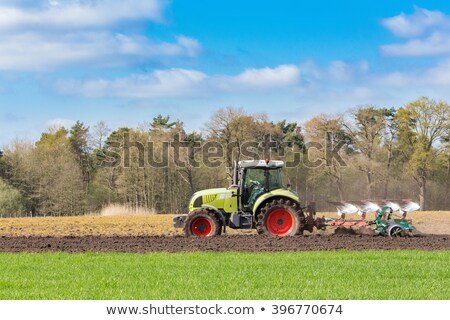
59, 122
342, 71
78, 14
415, 24
281, 76
173, 83
395, 79
428, 33
160, 83
259, 79
339, 70
31, 51
436, 44
182, 83
189, 46
437, 76
67, 32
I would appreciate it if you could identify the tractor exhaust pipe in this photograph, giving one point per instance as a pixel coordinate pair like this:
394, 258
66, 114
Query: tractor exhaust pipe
235, 173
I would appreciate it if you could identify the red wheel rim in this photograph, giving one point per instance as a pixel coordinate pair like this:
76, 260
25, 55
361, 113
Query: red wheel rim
201, 227
280, 222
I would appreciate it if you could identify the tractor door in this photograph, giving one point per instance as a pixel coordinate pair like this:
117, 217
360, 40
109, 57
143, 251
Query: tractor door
253, 185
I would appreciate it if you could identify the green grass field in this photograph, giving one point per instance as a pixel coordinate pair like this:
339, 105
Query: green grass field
304, 275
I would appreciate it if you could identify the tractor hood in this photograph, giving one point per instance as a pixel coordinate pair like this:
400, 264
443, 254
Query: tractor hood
214, 197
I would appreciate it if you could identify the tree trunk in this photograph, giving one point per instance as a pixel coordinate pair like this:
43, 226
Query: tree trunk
422, 192
340, 189
386, 181
369, 184
191, 182
447, 187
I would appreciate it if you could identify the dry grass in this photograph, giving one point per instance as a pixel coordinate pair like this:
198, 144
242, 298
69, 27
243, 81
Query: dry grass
432, 222
89, 225
436, 222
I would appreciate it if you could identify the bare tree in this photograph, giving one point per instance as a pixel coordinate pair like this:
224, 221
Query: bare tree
328, 131
100, 133
366, 132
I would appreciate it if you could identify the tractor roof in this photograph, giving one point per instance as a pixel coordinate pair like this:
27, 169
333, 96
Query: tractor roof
261, 164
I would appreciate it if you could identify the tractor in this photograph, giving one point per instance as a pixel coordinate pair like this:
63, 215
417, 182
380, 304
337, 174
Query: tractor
256, 199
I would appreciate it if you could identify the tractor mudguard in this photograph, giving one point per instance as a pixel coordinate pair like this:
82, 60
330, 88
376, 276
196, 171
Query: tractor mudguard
277, 193
218, 214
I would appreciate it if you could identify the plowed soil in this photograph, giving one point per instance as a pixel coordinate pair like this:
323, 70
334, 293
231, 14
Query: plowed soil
148, 233
248, 243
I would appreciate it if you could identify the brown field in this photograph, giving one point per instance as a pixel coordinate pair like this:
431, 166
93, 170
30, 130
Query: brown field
247, 243
152, 232
427, 222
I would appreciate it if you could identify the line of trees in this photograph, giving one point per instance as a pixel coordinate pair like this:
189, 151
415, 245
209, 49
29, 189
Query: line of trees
376, 153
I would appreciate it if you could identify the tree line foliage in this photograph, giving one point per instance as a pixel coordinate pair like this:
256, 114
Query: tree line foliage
368, 152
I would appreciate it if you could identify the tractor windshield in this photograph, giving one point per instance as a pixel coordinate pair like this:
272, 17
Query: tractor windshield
257, 181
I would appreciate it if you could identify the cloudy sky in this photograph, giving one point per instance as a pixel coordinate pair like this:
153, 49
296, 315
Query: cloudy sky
125, 61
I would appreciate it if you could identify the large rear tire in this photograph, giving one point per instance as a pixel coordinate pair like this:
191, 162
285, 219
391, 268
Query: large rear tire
202, 223
280, 218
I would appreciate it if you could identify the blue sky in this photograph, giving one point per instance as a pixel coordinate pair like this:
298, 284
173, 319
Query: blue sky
125, 61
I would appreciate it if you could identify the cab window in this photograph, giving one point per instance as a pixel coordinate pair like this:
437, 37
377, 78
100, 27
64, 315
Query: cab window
274, 179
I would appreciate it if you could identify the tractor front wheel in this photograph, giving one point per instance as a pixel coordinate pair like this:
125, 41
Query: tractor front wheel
202, 223
280, 218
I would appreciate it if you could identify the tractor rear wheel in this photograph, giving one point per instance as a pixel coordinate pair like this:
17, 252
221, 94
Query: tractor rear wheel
280, 218
202, 223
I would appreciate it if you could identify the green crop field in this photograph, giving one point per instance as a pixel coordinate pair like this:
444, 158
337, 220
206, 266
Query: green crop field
200, 275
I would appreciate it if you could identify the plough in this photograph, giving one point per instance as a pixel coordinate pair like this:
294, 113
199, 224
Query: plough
390, 216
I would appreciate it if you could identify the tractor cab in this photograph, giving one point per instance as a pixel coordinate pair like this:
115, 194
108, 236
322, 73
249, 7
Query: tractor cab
257, 178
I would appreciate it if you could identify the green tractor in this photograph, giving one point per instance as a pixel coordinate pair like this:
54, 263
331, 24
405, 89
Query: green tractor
256, 199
